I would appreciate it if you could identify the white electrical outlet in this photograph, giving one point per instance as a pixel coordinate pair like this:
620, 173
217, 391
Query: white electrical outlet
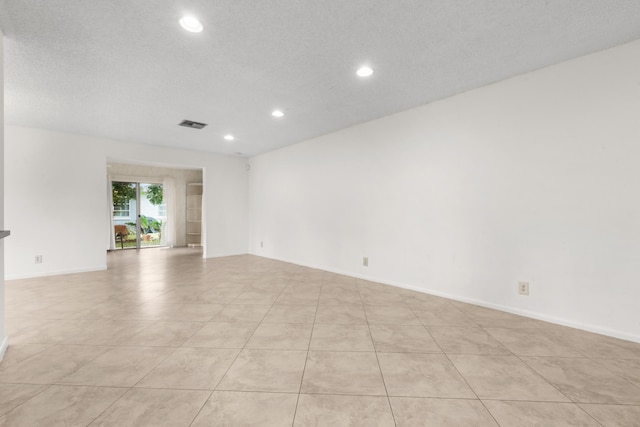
38, 259
365, 261
262, 244
523, 288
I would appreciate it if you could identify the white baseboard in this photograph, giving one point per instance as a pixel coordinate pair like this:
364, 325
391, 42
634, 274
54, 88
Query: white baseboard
3, 347
53, 273
221, 255
513, 310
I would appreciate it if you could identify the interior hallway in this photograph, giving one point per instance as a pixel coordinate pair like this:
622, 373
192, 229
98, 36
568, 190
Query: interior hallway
164, 337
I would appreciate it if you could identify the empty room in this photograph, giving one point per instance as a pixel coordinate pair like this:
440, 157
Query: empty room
333, 213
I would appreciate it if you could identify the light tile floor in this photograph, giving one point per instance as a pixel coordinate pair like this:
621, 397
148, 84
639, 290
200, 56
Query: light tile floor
164, 337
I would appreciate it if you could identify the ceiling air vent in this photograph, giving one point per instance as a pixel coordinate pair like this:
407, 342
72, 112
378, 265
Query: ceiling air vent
191, 124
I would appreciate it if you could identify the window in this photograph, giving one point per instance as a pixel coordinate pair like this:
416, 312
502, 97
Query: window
121, 210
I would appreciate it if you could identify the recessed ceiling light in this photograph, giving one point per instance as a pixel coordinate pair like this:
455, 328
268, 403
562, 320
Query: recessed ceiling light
191, 24
229, 137
277, 113
364, 71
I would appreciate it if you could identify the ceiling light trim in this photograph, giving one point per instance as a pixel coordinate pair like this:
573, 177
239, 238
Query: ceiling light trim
191, 23
364, 71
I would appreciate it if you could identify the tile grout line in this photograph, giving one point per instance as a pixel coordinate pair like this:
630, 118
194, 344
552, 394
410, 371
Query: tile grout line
617, 374
532, 370
215, 388
44, 388
588, 414
128, 389
458, 371
539, 375
304, 369
158, 364
542, 377
375, 351
50, 346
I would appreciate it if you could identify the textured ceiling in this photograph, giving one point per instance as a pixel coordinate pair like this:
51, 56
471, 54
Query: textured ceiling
126, 70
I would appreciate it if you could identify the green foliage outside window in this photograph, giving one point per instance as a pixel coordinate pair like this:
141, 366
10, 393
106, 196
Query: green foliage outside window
122, 193
125, 191
154, 194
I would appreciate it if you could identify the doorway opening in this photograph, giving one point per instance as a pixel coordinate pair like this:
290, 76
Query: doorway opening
139, 214
153, 206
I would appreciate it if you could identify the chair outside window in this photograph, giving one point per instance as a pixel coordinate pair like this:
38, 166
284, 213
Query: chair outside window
122, 233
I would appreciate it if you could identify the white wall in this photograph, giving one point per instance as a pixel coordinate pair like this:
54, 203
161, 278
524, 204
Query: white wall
3, 338
54, 178
536, 178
